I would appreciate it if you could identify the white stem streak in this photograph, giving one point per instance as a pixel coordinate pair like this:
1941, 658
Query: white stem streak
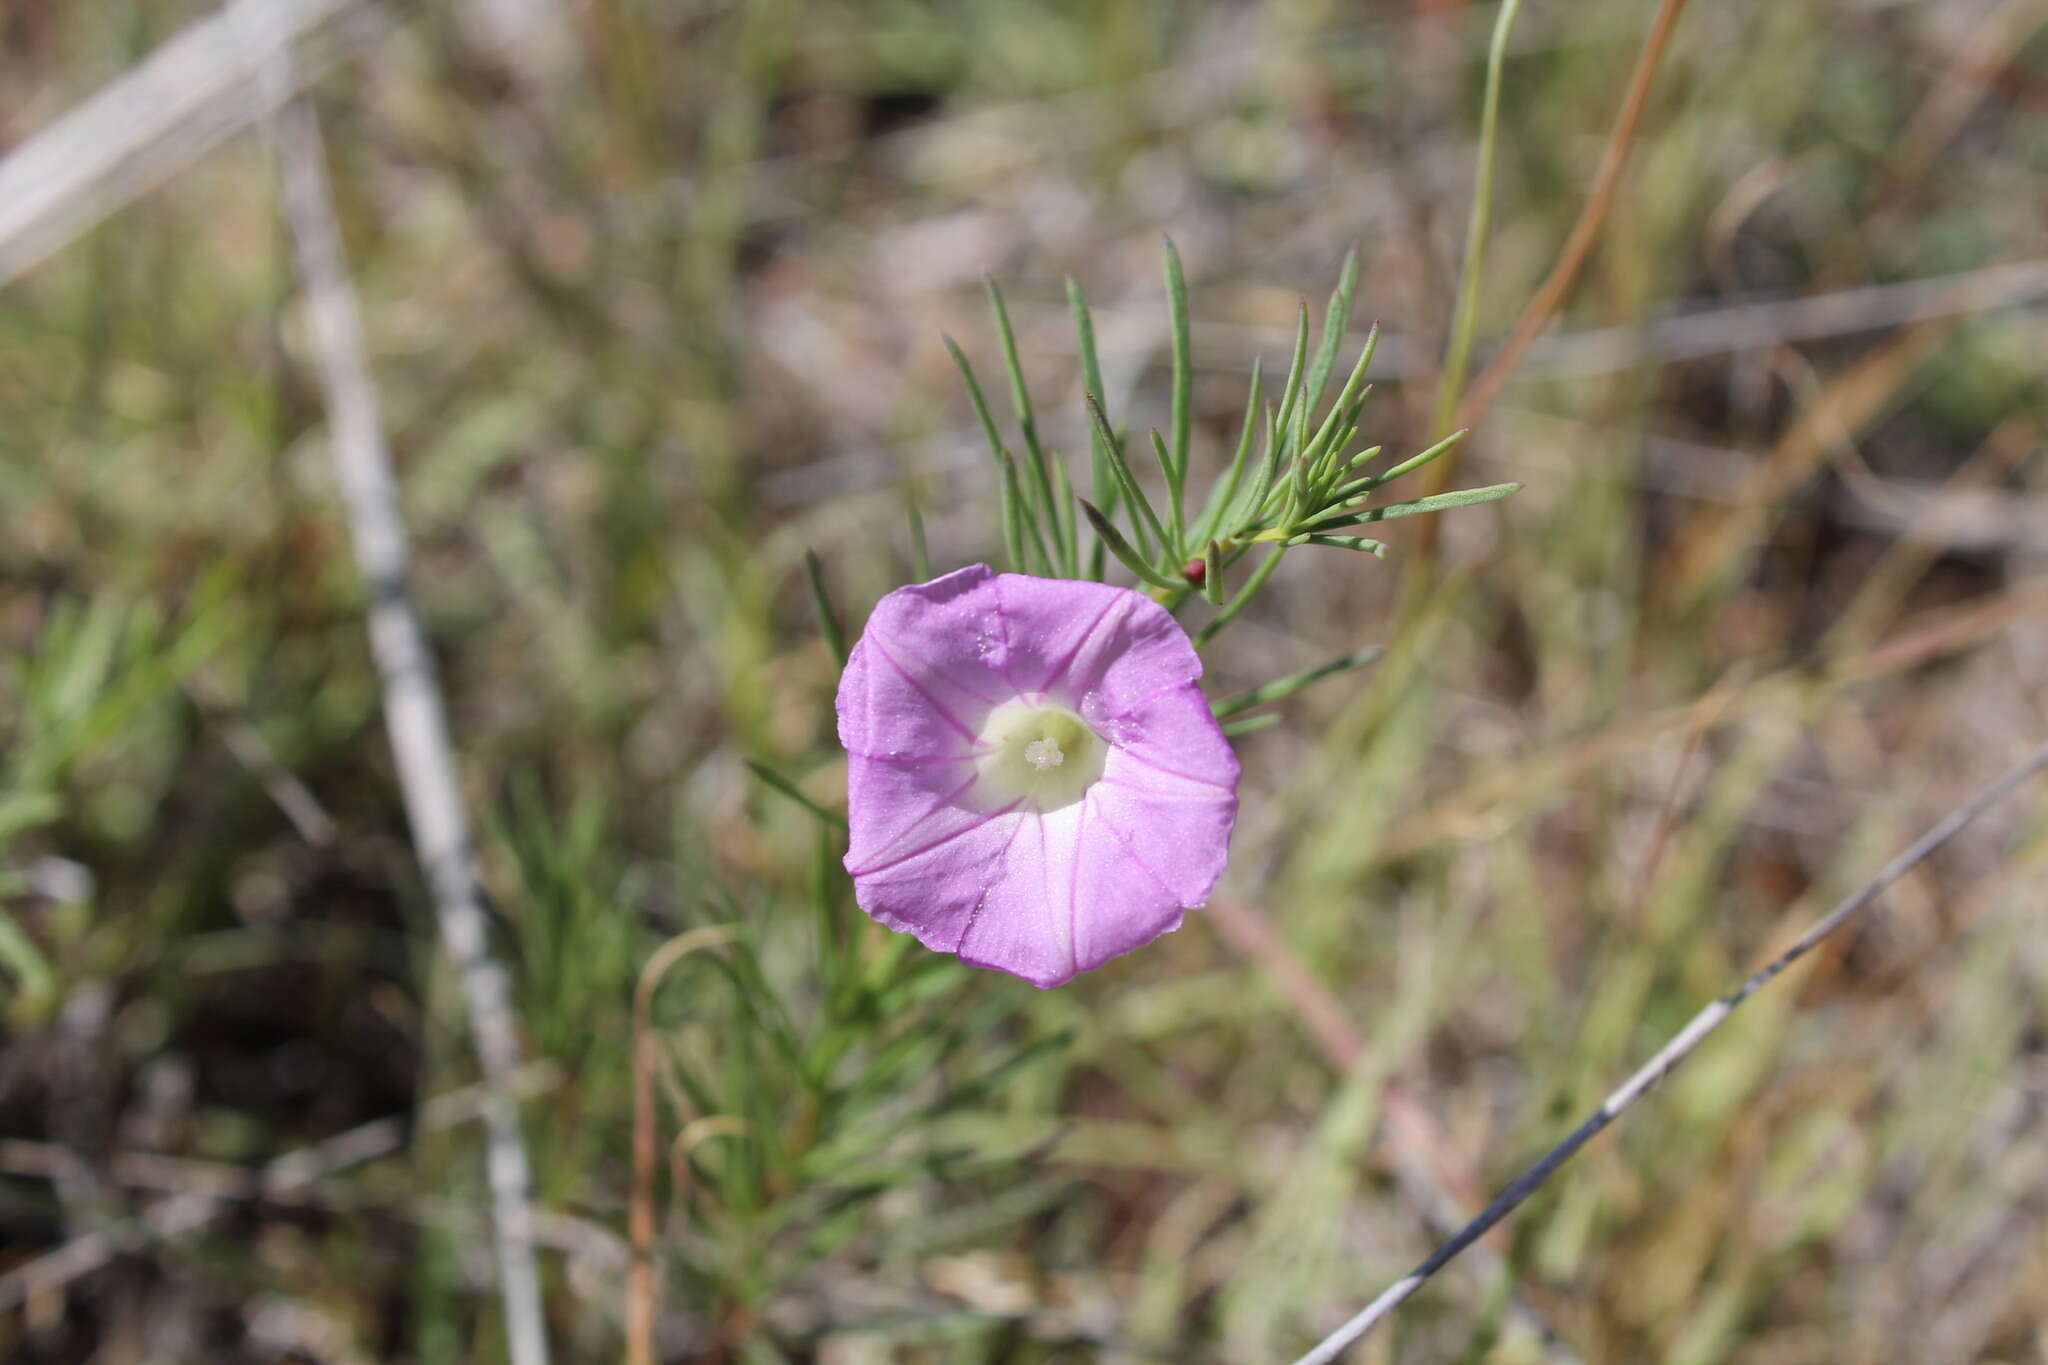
1668, 1058
412, 706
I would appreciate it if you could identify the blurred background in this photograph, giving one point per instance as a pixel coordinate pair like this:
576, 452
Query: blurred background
653, 296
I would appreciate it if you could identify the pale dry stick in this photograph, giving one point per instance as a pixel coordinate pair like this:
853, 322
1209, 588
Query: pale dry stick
282, 1179
1673, 1053
1777, 322
1728, 330
641, 1290
188, 96
413, 710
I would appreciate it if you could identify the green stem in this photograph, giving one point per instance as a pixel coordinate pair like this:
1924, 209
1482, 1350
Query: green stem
1244, 595
1459, 353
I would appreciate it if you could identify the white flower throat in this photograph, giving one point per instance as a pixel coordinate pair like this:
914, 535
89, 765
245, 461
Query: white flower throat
1038, 753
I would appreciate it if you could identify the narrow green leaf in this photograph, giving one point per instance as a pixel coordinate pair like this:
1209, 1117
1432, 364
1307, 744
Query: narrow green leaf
1178, 529
1212, 573
1223, 492
1183, 364
1121, 548
1335, 320
1281, 688
1103, 489
1037, 553
1142, 515
1346, 397
974, 395
1254, 510
821, 603
20, 957
1415, 462
1376, 548
1291, 392
1102, 480
1248, 724
920, 554
1465, 315
1013, 519
1437, 502
1243, 597
1015, 513
790, 790
1027, 421
1063, 517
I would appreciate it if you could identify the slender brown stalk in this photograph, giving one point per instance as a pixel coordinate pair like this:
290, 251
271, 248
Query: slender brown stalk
1570, 259
1584, 232
642, 1293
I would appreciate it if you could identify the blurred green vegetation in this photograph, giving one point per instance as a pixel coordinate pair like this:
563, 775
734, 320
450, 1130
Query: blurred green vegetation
653, 317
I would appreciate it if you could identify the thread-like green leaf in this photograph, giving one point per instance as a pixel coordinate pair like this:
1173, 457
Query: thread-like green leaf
1436, 502
1335, 320
1143, 518
794, 793
1039, 462
821, 604
1223, 492
1183, 366
1121, 548
1281, 688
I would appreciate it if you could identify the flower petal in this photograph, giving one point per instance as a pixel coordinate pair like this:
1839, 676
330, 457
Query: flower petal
1068, 898
1041, 894
896, 807
945, 638
884, 714
1047, 623
1101, 648
1171, 731
1174, 826
937, 892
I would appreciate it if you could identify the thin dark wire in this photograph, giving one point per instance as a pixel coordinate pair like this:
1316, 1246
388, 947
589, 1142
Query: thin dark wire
1674, 1052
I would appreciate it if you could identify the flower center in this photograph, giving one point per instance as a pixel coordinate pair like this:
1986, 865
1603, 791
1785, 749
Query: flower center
1037, 752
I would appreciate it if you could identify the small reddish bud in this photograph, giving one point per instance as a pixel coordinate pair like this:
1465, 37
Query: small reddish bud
1195, 571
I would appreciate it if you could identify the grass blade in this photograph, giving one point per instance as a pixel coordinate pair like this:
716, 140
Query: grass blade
1106, 531
789, 789
1281, 688
1183, 371
1435, 502
1335, 320
1142, 515
821, 603
1102, 481
1039, 463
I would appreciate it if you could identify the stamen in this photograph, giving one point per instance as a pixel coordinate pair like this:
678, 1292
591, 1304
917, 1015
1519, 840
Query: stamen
1044, 753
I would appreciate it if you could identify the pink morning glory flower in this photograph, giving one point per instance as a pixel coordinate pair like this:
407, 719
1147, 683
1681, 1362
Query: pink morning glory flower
1036, 782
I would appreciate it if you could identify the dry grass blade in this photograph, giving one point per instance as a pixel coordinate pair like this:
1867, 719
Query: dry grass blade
413, 710
194, 92
1671, 1055
641, 1291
